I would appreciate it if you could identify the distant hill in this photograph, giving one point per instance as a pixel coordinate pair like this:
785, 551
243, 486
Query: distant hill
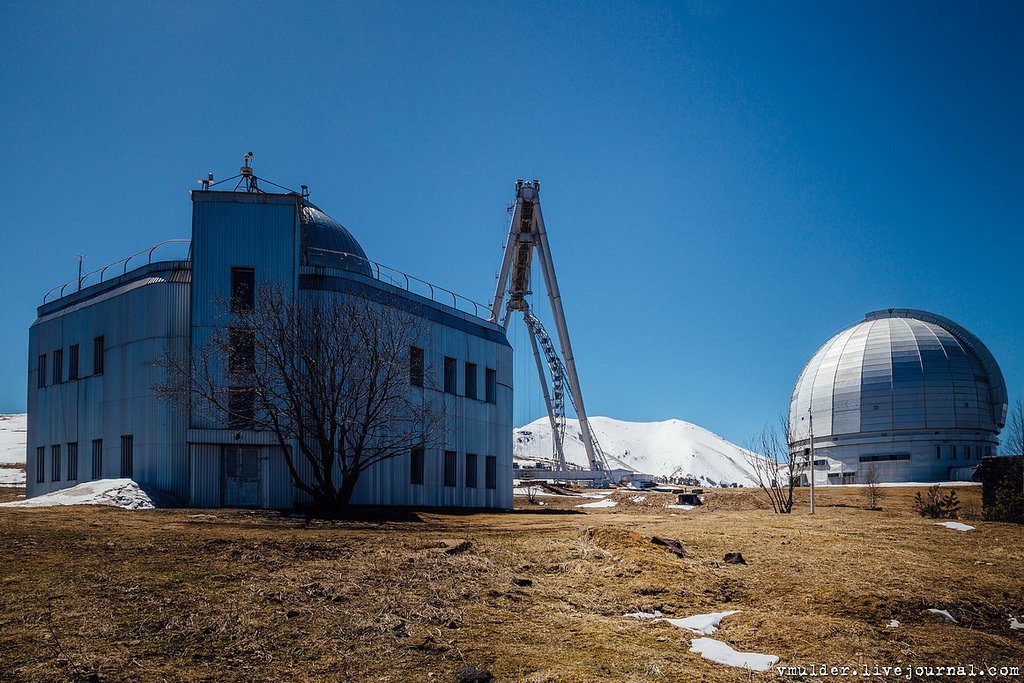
672, 449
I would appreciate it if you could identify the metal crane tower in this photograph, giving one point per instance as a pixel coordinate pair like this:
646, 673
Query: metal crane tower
526, 236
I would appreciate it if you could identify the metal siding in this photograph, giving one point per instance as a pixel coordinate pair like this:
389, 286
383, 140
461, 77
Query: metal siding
139, 325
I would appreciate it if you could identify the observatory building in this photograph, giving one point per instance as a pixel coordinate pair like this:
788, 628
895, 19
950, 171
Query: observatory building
97, 346
909, 393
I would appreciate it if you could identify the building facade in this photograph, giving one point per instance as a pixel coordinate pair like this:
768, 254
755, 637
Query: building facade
907, 394
96, 355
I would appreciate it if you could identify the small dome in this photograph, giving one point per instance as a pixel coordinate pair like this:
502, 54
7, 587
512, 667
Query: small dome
326, 242
899, 370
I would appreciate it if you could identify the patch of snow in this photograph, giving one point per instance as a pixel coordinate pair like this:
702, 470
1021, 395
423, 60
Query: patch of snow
599, 504
681, 507
944, 614
596, 494
717, 651
704, 624
122, 493
644, 615
1015, 625
12, 476
669, 449
638, 499
13, 439
893, 624
956, 525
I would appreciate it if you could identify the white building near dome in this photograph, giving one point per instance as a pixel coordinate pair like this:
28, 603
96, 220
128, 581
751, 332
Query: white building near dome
96, 347
911, 393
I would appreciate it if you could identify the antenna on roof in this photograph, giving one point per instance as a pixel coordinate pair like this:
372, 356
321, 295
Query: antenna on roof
81, 260
206, 182
248, 179
304, 190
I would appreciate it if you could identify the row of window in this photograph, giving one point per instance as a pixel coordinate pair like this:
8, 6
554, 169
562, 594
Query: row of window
968, 453
56, 457
57, 366
450, 471
471, 377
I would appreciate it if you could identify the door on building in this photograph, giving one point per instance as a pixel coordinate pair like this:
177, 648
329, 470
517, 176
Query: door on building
241, 477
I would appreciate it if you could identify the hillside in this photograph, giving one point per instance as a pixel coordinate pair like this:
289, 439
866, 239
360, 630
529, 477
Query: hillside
672, 449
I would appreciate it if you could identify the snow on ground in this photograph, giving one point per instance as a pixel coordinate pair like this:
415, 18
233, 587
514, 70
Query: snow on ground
944, 614
704, 624
13, 439
1015, 625
893, 624
599, 504
959, 526
122, 493
717, 651
638, 499
12, 449
649, 615
672, 448
680, 507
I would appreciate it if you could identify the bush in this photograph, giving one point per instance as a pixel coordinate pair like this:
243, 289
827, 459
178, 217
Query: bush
937, 506
1009, 505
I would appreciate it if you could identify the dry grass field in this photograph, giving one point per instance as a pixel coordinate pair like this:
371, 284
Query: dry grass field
535, 595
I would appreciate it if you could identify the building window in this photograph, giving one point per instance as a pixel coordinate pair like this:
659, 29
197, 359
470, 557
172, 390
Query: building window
938, 452
416, 466
97, 458
58, 366
470, 380
55, 462
416, 366
491, 471
450, 465
243, 290
471, 470
73, 461
490, 385
885, 457
952, 450
41, 372
127, 456
241, 350
241, 407
450, 373
40, 464
97, 356
73, 363
967, 452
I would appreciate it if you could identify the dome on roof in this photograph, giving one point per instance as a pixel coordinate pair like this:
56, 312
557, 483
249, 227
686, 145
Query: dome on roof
326, 242
899, 370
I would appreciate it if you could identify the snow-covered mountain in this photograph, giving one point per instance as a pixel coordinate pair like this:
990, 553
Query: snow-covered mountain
673, 449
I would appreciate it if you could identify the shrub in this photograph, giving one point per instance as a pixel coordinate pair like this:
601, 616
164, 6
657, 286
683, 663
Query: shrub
1009, 505
937, 506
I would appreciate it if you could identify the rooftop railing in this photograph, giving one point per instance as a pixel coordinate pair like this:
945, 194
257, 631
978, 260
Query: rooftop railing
120, 267
409, 283
378, 271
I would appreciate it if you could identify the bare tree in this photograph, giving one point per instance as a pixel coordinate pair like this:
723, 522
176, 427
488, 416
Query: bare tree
774, 465
331, 376
872, 478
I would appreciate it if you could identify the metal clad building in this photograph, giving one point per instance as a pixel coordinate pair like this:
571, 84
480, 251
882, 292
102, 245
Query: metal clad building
97, 416
908, 392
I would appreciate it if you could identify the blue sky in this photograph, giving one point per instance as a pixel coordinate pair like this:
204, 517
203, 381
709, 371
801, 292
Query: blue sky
726, 185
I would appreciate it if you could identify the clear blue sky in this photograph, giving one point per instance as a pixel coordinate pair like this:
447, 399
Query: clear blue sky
726, 185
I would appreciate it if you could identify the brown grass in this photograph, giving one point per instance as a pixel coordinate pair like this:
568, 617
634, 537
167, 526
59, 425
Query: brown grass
187, 595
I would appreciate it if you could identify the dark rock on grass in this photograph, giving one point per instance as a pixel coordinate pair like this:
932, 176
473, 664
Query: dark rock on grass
292, 613
457, 547
471, 674
522, 583
671, 544
734, 558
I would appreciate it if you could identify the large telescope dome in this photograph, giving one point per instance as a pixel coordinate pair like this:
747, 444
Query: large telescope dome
903, 387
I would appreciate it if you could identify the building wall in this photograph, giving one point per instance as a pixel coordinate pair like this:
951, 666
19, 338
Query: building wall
141, 317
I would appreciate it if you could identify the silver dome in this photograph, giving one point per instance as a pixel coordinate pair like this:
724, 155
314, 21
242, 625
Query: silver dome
326, 242
899, 370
